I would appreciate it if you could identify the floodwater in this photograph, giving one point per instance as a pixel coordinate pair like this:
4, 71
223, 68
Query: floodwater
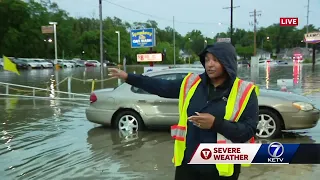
51, 139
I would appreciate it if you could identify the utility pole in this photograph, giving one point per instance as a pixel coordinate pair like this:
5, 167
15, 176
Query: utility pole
307, 20
174, 44
231, 19
101, 43
254, 14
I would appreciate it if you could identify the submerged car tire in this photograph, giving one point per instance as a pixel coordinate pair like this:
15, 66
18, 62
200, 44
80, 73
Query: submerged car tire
269, 126
128, 121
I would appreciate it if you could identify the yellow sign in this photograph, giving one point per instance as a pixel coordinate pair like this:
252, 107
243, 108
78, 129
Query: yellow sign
8, 65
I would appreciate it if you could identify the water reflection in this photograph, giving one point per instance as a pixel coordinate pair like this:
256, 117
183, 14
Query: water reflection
297, 73
134, 149
267, 75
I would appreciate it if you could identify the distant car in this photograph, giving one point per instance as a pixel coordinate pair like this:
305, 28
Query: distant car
130, 108
72, 62
65, 64
21, 64
80, 63
280, 62
92, 63
267, 62
30, 62
243, 63
43, 63
111, 63
51, 61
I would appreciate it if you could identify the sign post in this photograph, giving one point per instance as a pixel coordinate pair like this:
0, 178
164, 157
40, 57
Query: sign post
312, 38
145, 38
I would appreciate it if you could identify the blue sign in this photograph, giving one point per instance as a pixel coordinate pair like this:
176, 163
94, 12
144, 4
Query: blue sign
142, 38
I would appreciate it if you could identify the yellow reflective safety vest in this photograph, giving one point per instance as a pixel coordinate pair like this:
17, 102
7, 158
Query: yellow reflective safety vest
236, 103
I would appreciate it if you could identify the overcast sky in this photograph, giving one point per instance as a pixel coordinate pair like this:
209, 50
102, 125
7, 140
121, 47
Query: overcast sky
204, 15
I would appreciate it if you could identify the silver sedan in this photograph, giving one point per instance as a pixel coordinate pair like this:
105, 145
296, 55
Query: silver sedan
130, 108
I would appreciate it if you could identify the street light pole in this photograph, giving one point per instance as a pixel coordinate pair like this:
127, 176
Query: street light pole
55, 41
101, 43
118, 32
55, 53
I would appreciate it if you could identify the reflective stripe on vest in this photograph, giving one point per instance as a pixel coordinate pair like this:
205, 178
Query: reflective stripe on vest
237, 101
187, 90
178, 132
188, 87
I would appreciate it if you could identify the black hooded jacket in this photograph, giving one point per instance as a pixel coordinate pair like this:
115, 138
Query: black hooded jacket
208, 99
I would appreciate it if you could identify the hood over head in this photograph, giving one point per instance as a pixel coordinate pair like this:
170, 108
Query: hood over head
225, 53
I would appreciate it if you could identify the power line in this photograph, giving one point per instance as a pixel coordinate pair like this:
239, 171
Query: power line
161, 18
254, 14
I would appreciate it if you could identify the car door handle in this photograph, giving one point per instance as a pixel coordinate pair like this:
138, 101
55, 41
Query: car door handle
142, 101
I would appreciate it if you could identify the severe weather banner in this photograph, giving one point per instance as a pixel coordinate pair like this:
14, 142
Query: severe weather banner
142, 38
273, 153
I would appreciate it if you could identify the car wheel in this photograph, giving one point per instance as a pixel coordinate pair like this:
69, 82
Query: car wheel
269, 125
128, 121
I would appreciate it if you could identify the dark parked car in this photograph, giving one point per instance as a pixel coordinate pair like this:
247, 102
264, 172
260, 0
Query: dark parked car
21, 64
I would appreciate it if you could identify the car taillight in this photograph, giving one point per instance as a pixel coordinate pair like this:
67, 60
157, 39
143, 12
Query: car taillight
93, 98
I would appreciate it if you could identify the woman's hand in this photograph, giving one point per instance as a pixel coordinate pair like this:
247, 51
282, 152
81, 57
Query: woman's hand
117, 73
202, 120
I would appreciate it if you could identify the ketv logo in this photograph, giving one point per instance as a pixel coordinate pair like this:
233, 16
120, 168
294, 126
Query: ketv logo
276, 151
289, 21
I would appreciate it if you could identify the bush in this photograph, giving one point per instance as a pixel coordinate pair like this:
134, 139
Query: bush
307, 60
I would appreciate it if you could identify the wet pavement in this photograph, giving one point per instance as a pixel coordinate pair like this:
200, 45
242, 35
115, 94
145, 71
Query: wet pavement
51, 139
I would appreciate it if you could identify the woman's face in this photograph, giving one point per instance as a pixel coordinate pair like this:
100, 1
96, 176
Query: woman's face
213, 66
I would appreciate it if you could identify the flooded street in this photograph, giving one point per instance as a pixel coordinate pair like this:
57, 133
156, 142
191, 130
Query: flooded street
51, 139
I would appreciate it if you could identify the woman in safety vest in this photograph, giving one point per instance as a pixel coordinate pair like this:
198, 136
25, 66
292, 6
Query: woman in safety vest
214, 107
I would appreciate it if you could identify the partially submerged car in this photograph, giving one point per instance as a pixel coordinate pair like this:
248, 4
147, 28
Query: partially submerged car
129, 108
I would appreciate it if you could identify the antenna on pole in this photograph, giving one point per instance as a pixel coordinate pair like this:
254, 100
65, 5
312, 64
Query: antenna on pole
254, 14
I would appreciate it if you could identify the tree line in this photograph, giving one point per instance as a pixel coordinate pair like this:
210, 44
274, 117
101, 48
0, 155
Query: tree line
21, 36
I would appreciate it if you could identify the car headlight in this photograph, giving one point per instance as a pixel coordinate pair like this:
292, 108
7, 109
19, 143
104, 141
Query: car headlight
303, 106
